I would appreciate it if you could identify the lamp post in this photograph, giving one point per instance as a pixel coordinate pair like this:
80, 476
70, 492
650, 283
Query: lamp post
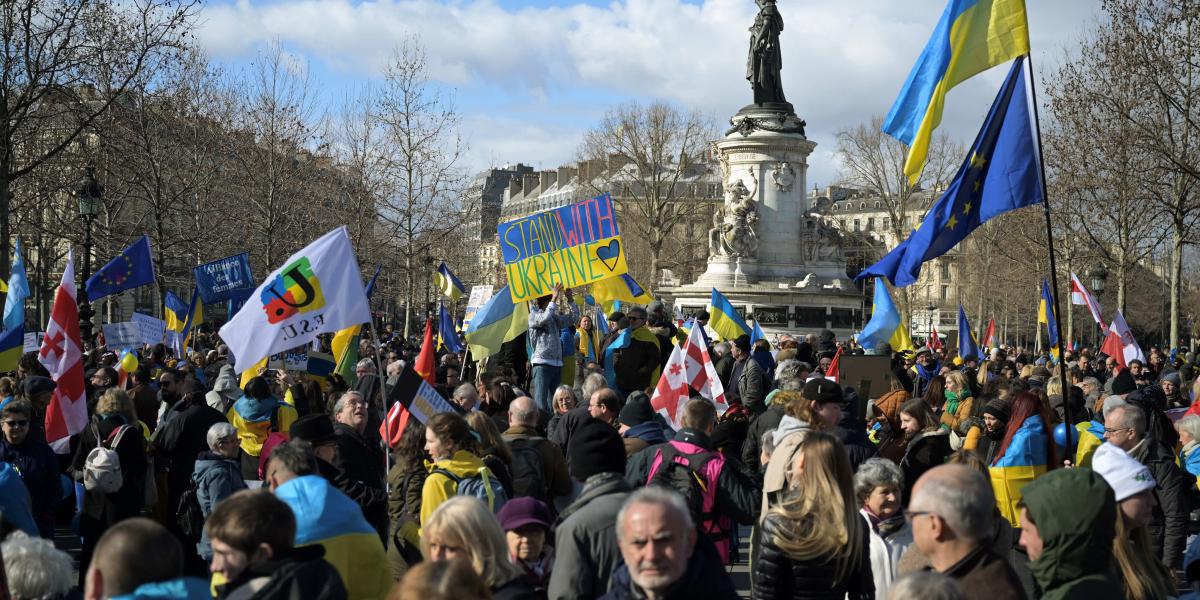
88, 193
1097, 276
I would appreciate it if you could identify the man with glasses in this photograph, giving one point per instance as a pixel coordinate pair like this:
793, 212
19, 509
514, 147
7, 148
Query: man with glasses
34, 461
637, 364
953, 518
1125, 428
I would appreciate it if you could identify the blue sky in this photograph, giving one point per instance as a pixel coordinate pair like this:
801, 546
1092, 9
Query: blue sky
530, 76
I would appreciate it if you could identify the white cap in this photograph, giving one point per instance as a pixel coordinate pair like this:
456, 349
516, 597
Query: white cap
1123, 472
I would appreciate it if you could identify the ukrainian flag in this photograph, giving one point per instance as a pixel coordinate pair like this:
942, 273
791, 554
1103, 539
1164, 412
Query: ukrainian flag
1046, 315
195, 315
885, 324
253, 420
12, 344
971, 37
1023, 461
724, 320
611, 292
447, 336
497, 322
345, 341
175, 312
446, 281
328, 517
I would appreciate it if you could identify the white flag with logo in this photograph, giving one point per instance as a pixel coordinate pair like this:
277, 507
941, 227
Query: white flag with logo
318, 290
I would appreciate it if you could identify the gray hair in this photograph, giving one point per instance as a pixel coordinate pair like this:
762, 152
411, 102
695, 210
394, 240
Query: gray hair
466, 390
35, 568
659, 496
961, 497
1092, 381
296, 457
593, 383
1111, 403
722, 348
1190, 424
1132, 417
928, 585
365, 364
787, 374
343, 399
218, 433
875, 472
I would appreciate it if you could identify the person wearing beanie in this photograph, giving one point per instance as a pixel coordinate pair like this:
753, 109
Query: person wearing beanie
1144, 577
586, 537
1070, 551
749, 384
526, 524
638, 425
988, 437
1170, 383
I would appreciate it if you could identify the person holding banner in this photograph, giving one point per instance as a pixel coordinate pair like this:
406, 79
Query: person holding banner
546, 321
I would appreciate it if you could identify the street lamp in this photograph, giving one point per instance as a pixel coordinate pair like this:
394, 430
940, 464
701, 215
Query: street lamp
88, 193
1097, 276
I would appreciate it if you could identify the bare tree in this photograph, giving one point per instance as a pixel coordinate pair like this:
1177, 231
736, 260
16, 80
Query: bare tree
647, 156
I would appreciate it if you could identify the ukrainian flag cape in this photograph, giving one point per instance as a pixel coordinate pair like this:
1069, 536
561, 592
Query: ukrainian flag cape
326, 516
1023, 461
252, 419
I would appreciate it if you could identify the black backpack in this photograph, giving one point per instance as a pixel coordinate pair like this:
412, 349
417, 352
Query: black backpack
188, 514
528, 470
686, 479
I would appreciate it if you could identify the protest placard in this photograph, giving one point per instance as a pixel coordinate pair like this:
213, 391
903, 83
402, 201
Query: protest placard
480, 294
32, 341
122, 335
217, 280
153, 331
573, 245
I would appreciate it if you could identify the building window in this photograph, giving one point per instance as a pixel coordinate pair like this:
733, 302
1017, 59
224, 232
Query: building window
945, 271
712, 190
856, 225
887, 223
945, 293
870, 223
877, 205
862, 205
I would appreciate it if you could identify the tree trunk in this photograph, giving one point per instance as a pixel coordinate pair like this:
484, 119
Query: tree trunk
408, 298
1176, 274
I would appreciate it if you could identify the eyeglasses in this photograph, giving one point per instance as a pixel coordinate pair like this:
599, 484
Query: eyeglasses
1117, 430
909, 514
16, 424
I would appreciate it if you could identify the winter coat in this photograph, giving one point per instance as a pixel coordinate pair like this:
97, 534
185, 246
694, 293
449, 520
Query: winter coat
516, 588
1076, 560
752, 446
924, 452
177, 443
1169, 526
38, 467
753, 386
127, 501
296, 574
438, 488
705, 577
216, 478
637, 365
954, 420
788, 435
858, 446
984, 575
361, 461
145, 404
545, 336
641, 436
885, 553
724, 366
404, 508
585, 539
778, 576
557, 478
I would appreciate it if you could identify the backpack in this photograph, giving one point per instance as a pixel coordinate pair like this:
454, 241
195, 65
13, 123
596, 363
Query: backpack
685, 478
482, 485
188, 514
528, 469
102, 468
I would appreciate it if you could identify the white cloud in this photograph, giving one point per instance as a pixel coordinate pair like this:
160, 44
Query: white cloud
844, 61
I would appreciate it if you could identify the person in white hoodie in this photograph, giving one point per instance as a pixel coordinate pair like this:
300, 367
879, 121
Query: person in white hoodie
877, 485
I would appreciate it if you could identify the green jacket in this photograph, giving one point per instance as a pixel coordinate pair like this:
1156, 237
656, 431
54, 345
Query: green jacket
1075, 513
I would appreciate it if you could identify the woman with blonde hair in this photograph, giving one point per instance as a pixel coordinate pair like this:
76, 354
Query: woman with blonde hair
463, 528
957, 408
816, 543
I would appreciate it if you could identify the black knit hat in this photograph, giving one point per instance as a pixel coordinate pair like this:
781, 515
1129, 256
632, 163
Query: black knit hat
1123, 383
595, 447
742, 342
823, 391
637, 410
998, 409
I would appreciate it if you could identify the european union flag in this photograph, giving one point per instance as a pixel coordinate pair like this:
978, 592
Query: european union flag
131, 268
1001, 173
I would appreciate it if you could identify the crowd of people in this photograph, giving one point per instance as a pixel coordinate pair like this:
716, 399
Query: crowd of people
555, 477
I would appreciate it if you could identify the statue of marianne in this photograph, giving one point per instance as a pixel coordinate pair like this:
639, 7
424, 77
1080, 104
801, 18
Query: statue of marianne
765, 60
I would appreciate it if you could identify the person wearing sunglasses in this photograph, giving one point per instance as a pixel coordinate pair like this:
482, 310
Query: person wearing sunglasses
34, 461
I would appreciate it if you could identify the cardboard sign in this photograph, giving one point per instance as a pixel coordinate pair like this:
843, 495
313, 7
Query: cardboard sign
217, 280
480, 294
32, 341
292, 360
573, 245
870, 376
122, 335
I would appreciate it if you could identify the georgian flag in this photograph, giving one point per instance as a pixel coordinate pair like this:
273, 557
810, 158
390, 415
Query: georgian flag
689, 367
62, 355
1081, 296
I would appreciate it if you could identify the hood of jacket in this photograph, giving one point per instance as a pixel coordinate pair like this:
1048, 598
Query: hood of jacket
187, 588
254, 410
1076, 542
650, 432
787, 425
462, 464
227, 383
600, 484
207, 461
322, 511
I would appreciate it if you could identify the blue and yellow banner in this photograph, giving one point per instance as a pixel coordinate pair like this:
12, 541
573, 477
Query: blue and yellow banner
448, 283
724, 320
573, 245
611, 292
1046, 315
1023, 461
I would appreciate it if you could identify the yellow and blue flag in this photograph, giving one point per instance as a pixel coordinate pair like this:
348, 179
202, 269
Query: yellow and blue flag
17, 291
885, 324
499, 321
971, 37
447, 336
175, 312
1023, 461
1046, 315
195, 315
1001, 173
133, 267
446, 281
12, 345
756, 333
968, 348
611, 292
724, 320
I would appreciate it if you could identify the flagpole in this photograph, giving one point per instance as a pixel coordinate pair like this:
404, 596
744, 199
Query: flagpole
382, 377
1062, 363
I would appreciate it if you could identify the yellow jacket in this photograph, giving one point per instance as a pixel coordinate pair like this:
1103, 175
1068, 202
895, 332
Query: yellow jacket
439, 488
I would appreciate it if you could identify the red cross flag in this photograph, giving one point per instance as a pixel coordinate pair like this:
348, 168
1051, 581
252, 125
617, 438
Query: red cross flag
62, 356
689, 367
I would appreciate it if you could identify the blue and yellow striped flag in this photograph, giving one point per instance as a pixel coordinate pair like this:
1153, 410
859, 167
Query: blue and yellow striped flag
1046, 315
971, 37
1023, 461
724, 320
611, 292
446, 281
499, 321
